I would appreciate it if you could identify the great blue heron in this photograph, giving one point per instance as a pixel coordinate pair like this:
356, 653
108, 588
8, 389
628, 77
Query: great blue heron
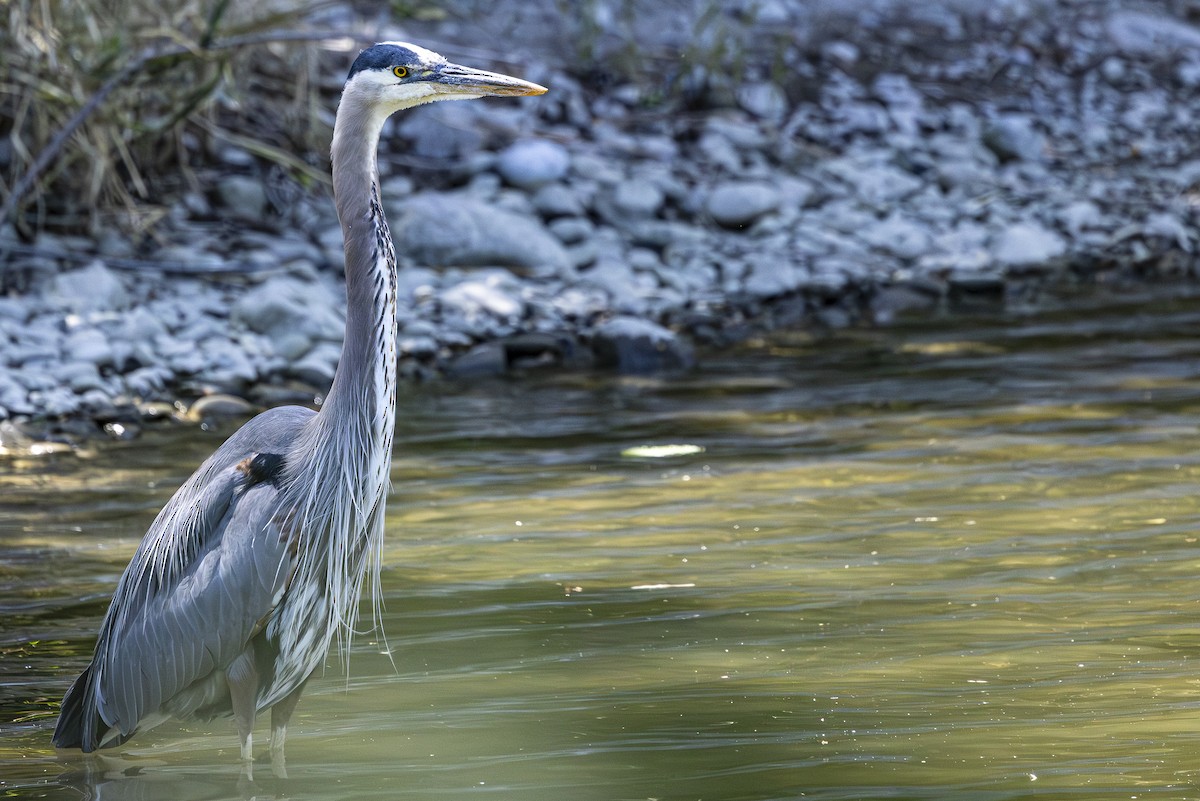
234, 596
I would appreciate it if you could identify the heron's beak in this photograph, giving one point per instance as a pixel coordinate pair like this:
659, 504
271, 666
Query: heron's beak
458, 80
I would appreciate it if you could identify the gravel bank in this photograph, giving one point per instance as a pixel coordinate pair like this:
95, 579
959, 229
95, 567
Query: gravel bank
858, 164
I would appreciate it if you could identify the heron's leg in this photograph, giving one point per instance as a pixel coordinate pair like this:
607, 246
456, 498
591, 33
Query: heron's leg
281, 713
242, 677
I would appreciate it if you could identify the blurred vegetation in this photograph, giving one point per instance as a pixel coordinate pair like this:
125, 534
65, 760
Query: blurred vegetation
108, 106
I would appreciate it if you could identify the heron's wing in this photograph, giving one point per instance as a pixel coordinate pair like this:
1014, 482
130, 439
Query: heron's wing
213, 565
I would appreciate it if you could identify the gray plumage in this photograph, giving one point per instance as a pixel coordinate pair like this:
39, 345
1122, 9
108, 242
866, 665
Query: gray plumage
257, 562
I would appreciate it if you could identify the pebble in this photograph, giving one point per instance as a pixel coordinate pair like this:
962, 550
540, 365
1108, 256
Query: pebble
530, 163
738, 204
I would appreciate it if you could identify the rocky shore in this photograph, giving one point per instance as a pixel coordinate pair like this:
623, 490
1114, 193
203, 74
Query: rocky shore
871, 162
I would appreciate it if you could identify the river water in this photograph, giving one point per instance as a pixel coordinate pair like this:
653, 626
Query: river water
952, 560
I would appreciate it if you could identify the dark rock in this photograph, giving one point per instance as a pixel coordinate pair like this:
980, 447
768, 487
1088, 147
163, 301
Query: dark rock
635, 346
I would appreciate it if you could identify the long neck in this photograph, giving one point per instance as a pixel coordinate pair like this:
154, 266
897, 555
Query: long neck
363, 393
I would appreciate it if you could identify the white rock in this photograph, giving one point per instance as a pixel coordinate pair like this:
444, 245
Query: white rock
488, 294
1026, 244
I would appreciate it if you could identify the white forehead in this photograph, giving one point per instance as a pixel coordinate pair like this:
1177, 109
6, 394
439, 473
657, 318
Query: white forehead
423, 53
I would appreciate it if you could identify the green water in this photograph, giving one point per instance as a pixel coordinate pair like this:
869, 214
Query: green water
949, 561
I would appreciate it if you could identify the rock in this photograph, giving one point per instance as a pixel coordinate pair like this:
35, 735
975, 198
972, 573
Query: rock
317, 367
243, 196
899, 236
80, 376
737, 204
556, 200
455, 230
572, 230
1080, 216
764, 100
283, 306
93, 288
1012, 138
635, 346
976, 292
626, 288
530, 163
441, 132
219, 405
89, 345
637, 198
772, 278
491, 294
148, 382
894, 301
1027, 244
873, 179
1139, 33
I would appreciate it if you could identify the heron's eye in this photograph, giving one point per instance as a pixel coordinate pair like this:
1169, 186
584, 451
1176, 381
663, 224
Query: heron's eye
400, 72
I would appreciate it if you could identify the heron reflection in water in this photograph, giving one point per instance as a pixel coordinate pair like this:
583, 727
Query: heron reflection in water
247, 574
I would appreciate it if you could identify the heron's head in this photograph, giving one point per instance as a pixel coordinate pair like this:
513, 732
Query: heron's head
395, 75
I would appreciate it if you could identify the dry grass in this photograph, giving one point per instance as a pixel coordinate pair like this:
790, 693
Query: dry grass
106, 106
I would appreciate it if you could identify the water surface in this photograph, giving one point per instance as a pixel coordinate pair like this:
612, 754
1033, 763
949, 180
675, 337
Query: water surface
945, 561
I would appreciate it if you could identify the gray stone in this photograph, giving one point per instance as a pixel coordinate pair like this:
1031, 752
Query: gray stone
88, 345
1144, 34
764, 100
626, 288
556, 200
637, 198
873, 179
148, 382
284, 305
1027, 244
772, 278
243, 196
1080, 216
737, 204
530, 163
80, 376
1012, 138
93, 288
635, 346
455, 230
572, 230
441, 132
318, 365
